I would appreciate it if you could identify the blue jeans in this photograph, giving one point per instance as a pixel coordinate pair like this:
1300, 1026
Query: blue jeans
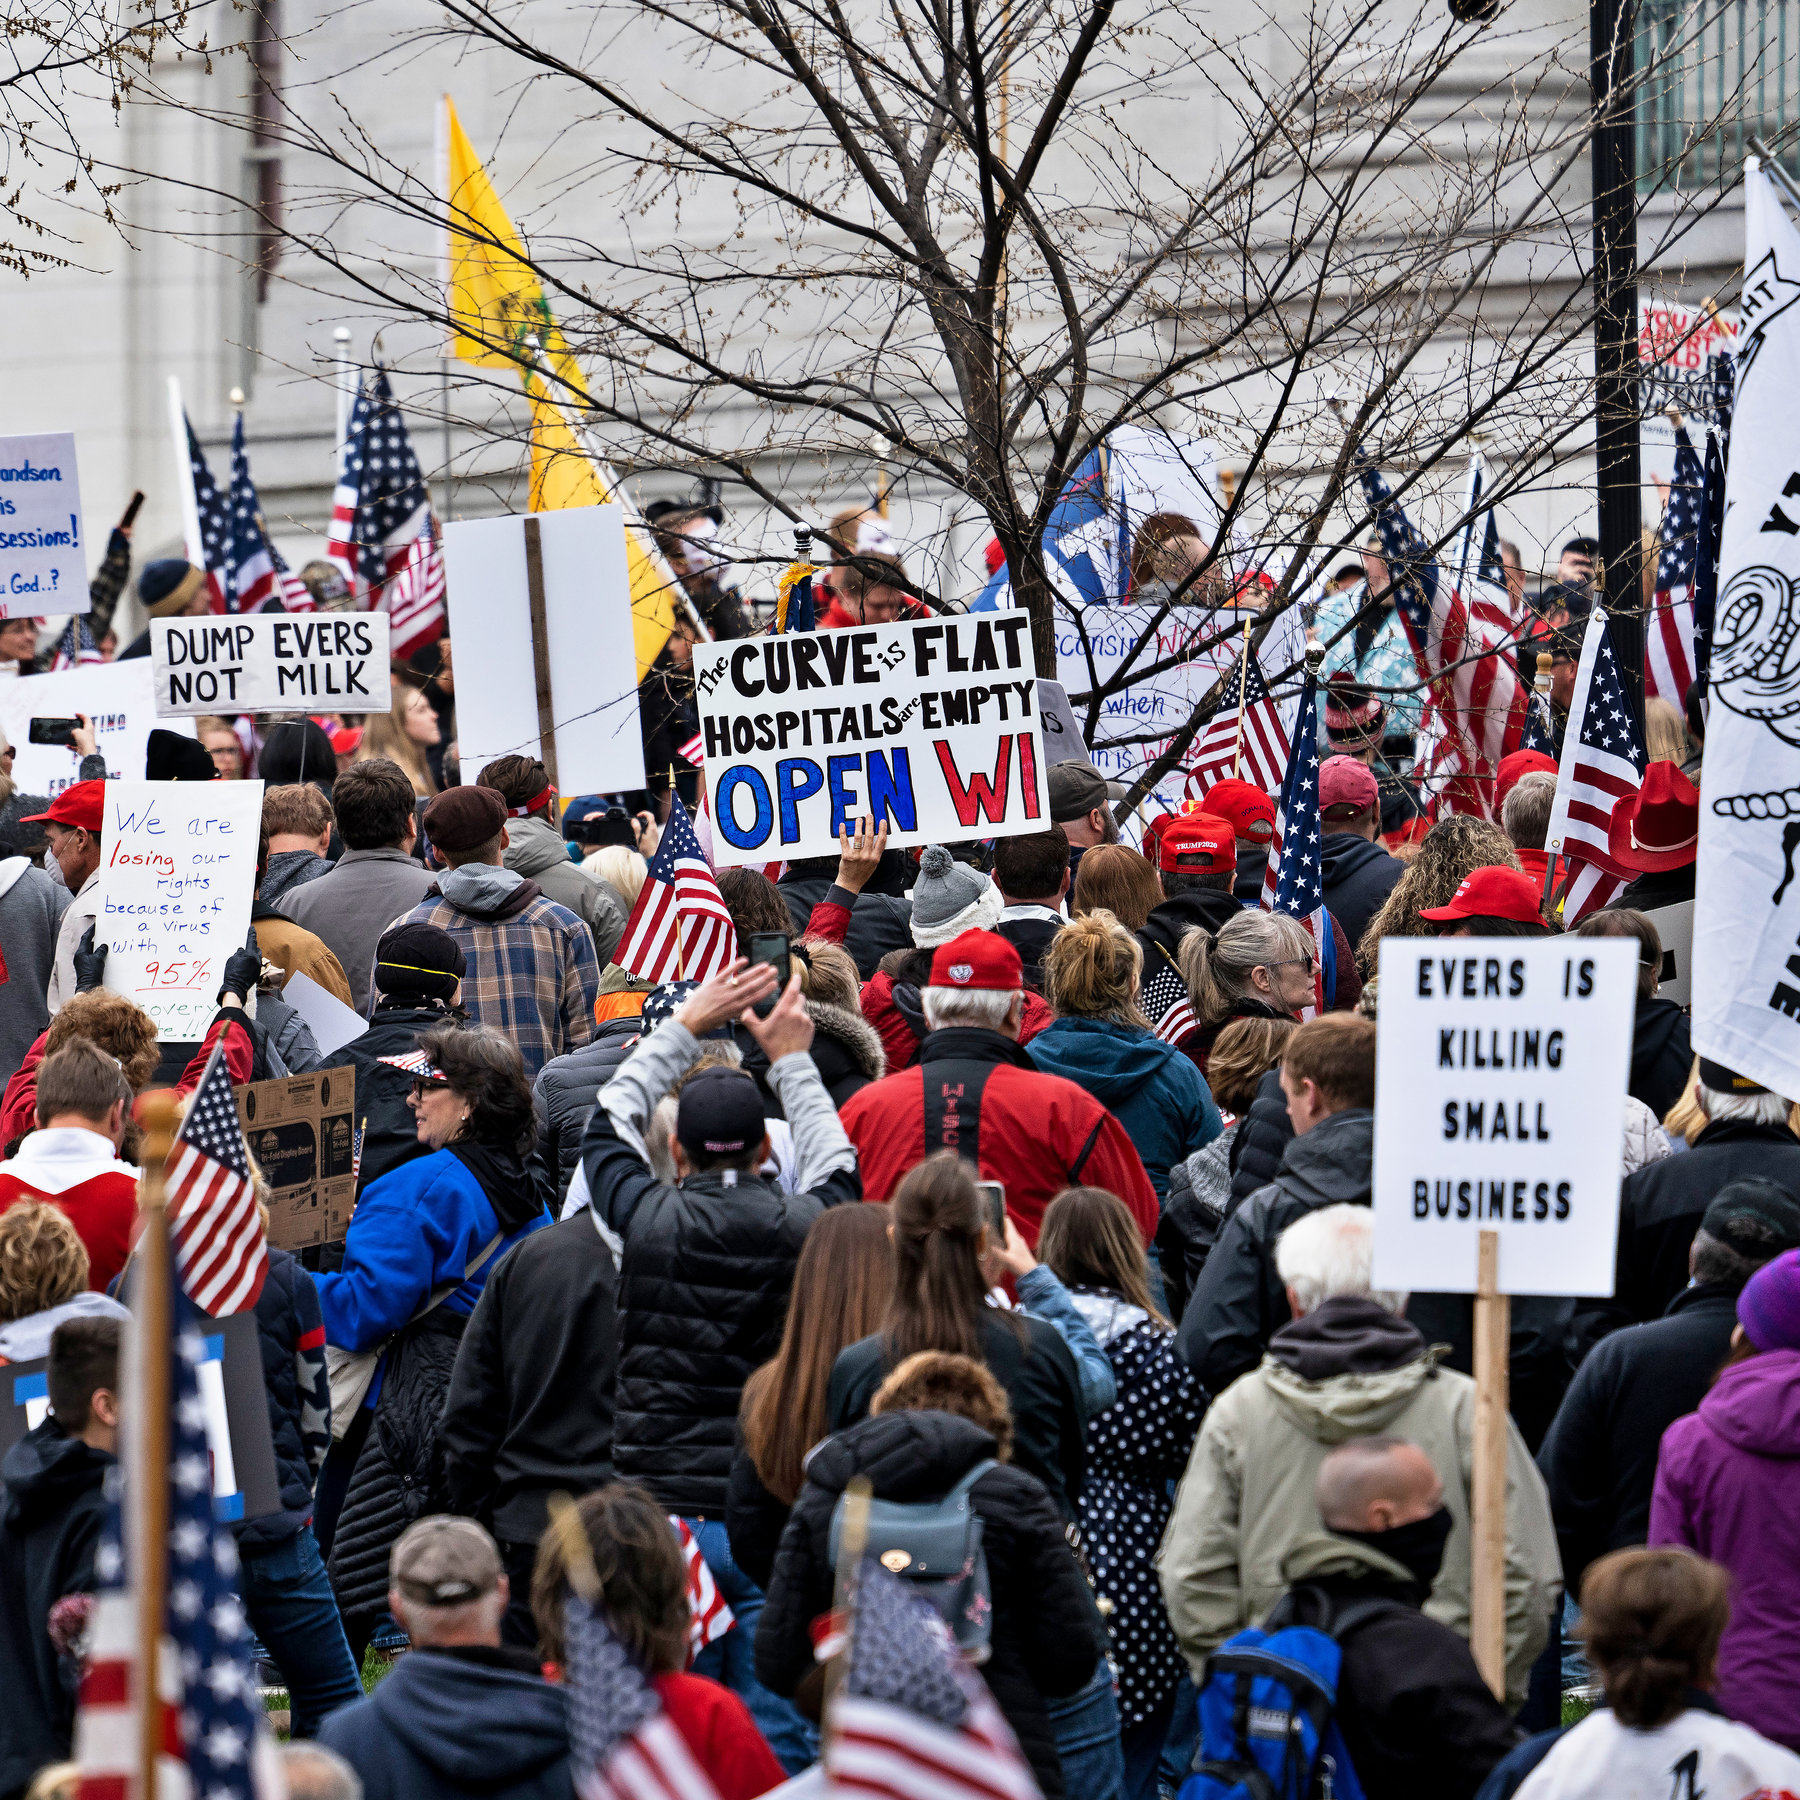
731, 1659
1086, 1724
288, 1598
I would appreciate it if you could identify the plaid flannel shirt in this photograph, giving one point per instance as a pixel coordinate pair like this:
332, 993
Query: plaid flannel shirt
533, 976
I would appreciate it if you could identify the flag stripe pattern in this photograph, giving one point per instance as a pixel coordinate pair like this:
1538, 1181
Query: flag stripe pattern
1294, 878
679, 929
254, 572
1164, 1000
215, 522
709, 1617
1669, 631
1264, 756
220, 1248
1602, 762
76, 647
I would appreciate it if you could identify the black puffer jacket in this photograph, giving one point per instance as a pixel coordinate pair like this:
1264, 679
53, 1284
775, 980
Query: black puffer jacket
1047, 1633
878, 922
562, 1097
1263, 1135
392, 1135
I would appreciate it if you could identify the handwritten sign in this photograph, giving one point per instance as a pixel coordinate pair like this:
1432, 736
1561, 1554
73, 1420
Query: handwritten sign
177, 871
115, 698
301, 1132
932, 726
271, 662
43, 555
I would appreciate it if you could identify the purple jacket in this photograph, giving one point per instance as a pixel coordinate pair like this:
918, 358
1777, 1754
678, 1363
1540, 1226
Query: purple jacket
1728, 1486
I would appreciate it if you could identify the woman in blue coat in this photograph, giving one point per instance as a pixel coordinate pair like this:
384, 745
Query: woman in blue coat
421, 1244
1101, 1042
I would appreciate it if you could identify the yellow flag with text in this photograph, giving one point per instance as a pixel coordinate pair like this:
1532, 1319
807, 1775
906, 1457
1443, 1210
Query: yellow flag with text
495, 301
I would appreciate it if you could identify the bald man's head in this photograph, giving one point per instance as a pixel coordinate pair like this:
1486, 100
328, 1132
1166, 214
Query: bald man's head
1376, 1484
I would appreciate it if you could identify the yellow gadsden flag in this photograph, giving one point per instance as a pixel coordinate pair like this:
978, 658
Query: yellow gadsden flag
496, 302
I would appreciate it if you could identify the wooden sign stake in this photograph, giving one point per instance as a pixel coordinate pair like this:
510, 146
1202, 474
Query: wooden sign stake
1487, 1524
540, 647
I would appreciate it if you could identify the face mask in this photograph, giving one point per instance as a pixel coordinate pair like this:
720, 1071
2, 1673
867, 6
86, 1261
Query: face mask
1418, 1547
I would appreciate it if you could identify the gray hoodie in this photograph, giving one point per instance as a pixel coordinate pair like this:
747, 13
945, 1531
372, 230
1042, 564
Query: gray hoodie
535, 849
31, 909
26, 1339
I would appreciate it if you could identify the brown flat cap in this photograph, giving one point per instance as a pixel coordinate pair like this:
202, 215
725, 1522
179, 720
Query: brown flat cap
464, 818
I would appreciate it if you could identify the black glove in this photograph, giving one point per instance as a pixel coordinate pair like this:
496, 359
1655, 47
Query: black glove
90, 963
243, 969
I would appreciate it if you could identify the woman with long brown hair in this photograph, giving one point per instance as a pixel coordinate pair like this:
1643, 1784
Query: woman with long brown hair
843, 1287
1114, 878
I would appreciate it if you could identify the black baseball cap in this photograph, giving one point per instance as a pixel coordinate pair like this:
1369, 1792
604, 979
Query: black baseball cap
1753, 1217
1726, 1081
719, 1114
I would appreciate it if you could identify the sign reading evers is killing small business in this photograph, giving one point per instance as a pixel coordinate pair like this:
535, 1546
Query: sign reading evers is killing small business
1500, 1075
271, 662
931, 726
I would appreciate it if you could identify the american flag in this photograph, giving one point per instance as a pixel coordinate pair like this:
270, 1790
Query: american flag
709, 1617
213, 552
622, 1745
76, 646
254, 572
1462, 650
1602, 762
1706, 573
220, 1248
693, 751
382, 533
1265, 738
1294, 880
1669, 631
216, 1745
912, 1721
1164, 1000
679, 928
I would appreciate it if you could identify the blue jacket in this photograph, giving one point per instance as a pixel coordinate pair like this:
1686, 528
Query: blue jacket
1154, 1091
418, 1227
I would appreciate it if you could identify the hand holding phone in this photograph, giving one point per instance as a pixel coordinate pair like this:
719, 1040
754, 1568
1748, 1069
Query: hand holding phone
775, 949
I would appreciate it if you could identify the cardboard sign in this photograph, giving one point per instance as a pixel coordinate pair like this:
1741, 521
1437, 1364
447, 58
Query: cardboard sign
587, 615
117, 699
271, 662
932, 726
1500, 1104
245, 1482
43, 555
177, 872
300, 1132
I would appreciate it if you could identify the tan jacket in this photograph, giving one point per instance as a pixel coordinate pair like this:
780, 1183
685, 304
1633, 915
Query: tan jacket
1247, 1499
295, 948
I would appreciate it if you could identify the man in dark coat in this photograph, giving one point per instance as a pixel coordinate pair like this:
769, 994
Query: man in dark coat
1359, 873
1196, 862
1661, 1049
871, 888
1599, 1461
562, 1097
1032, 873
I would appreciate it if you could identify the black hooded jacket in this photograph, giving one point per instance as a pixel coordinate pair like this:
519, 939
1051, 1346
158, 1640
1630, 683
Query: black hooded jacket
391, 1136
1047, 1634
1661, 1054
1359, 876
563, 1098
1261, 1139
1171, 920
50, 1518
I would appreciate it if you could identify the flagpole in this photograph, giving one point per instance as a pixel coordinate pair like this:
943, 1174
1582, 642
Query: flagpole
184, 477
1237, 749
858, 1494
154, 1337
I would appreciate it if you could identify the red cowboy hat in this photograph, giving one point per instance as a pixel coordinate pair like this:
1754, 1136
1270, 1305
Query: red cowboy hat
1658, 827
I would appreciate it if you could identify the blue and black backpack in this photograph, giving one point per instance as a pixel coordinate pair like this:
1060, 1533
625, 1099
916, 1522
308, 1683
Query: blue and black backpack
1268, 1729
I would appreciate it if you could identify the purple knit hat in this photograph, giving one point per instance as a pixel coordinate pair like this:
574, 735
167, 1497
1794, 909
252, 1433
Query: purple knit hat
1769, 1307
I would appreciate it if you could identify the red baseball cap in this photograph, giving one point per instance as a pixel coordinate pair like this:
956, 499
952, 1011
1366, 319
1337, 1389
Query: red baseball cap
1247, 810
1521, 762
1343, 781
1658, 827
1491, 893
977, 959
82, 804
1195, 844
345, 739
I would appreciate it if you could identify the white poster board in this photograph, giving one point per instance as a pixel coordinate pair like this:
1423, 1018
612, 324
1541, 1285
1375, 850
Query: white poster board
177, 873
931, 725
118, 700
271, 663
43, 555
593, 667
1675, 926
1500, 1075
1676, 345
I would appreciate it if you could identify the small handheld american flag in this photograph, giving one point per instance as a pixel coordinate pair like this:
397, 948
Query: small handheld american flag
679, 928
220, 1251
76, 647
1257, 749
1669, 630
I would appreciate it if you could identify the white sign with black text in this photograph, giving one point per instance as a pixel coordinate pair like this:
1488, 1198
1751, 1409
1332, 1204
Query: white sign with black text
1500, 1075
271, 662
43, 558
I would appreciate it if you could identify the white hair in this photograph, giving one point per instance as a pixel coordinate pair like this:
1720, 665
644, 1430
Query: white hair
1330, 1254
990, 1007
1748, 1109
620, 869
311, 1772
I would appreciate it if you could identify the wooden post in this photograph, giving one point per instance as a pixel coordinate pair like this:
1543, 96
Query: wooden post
148, 1507
857, 1495
1487, 1588
540, 647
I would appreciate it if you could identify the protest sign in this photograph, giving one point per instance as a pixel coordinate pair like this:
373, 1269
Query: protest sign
43, 556
271, 662
1057, 722
1675, 927
1500, 1076
177, 872
118, 701
932, 726
301, 1133
542, 635
1680, 349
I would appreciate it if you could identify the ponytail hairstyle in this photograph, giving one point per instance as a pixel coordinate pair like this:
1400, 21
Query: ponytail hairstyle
939, 1293
1092, 970
1216, 965
1652, 1620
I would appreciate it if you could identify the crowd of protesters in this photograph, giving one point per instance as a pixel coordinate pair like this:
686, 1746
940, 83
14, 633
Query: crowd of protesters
1039, 1195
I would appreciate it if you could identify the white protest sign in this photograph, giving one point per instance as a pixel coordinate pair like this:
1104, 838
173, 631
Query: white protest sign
1675, 927
119, 702
332, 1023
593, 669
1500, 1076
177, 872
932, 726
43, 557
1677, 351
271, 662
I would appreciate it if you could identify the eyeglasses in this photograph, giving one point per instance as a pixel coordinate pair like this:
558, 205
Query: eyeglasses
422, 1087
1309, 963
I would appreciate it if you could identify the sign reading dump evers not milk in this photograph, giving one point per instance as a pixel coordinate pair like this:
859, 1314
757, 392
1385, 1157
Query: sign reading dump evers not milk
271, 662
933, 727
1500, 1105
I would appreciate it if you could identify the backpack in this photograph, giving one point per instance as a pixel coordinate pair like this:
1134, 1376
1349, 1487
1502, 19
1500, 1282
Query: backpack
935, 1545
1267, 1724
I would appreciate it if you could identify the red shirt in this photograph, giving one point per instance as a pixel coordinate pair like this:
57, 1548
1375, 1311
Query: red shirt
76, 1171
717, 1727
